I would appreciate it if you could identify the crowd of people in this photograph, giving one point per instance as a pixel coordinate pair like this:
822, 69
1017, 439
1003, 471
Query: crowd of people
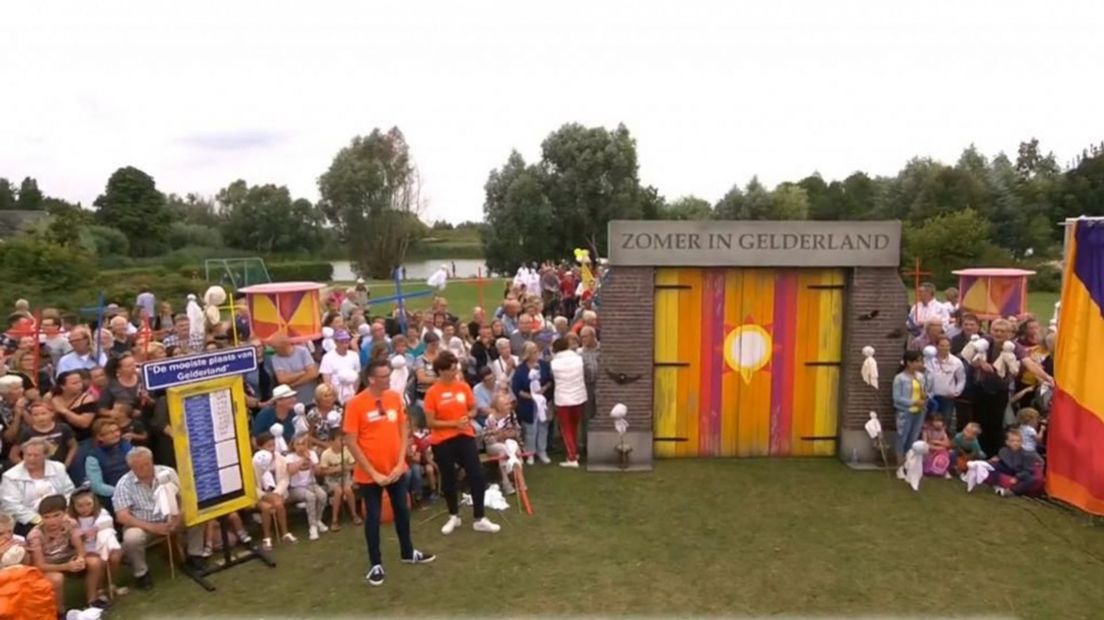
975, 392
411, 407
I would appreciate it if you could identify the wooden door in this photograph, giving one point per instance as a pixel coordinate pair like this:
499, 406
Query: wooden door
747, 361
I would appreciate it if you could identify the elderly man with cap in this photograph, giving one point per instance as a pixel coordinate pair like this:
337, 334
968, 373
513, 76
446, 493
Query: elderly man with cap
282, 412
340, 368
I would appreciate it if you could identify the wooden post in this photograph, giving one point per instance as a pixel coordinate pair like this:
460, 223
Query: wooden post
916, 273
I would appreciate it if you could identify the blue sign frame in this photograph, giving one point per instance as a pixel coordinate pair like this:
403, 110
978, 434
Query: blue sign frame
177, 371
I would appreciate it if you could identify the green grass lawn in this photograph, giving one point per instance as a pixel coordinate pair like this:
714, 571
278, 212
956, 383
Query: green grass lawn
733, 537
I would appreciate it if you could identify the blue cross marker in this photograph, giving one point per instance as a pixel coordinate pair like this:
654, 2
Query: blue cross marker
401, 297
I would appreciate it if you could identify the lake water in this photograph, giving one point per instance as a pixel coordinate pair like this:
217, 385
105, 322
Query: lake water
418, 270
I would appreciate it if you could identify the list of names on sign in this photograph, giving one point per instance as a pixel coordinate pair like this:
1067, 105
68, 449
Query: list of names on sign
212, 441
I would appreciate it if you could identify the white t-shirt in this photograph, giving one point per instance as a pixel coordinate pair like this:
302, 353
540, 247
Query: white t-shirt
303, 478
332, 364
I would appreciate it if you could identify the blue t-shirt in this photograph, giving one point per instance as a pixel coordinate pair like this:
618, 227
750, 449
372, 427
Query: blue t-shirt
266, 417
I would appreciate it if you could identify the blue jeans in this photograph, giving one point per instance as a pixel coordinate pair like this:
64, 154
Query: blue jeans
945, 406
908, 430
417, 482
536, 436
372, 494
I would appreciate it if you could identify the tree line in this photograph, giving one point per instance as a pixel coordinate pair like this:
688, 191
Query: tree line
995, 211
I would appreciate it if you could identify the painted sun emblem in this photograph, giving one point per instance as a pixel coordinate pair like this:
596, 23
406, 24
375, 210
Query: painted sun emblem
747, 349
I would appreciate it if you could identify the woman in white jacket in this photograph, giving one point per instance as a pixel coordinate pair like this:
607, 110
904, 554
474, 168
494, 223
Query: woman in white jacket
25, 484
569, 396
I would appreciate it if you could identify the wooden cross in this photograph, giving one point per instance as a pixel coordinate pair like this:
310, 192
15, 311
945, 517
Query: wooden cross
917, 274
401, 298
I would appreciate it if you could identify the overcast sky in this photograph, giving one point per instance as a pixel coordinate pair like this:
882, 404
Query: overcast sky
199, 94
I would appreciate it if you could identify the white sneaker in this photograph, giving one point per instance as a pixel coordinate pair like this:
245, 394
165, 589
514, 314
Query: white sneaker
947, 476
322, 527
313, 533
529, 461
485, 525
301, 505
289, 538
452, 523
570, 464
544, 458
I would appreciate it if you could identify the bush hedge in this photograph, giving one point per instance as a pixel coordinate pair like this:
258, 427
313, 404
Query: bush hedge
311, 271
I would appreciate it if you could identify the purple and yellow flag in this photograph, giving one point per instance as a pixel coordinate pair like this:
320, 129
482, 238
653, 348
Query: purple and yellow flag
1075, 443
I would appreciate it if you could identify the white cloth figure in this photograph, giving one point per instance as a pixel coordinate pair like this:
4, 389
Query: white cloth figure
439, 278
539, 401
913, 469
1006, 362
618, 413
327, 339
869, 367
1054, 319
512, 452
977, 472
347, 378
264, 461
213, 300
333, 419
106, 542
456, 347
197, 328
277, 431
873, 426
975, 350
400, 374
300, 420
92, 613
519, 277
493, 498
165, 496
929, 352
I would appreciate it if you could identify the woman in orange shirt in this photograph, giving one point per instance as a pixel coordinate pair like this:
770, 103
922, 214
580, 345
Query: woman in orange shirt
449, 408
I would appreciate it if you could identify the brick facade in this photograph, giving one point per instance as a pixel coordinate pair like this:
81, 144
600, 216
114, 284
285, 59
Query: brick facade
869, 290
628, 346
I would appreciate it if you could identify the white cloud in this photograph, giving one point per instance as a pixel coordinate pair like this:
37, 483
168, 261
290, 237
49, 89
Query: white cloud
202, 93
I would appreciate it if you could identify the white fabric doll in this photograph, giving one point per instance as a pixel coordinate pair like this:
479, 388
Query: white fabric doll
197, 329
539, 401
913, 469
213, 300
869, 367
400, 374
1006, 362
977, 472
439, 278
277, 431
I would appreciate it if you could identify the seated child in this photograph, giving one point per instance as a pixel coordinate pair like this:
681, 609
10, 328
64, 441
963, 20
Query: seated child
336, 467
966, 447
8, 537
91, 520
423, 468
1029, 429
270, 472
502, 425
302, 465
57, 549
937, 462
63, 445
106, 461
1017, 471
130, 425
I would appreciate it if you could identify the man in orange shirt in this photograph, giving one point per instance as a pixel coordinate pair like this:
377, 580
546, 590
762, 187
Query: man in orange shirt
378, 433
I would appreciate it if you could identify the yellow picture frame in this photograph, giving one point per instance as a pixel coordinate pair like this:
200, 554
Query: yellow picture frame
228, 392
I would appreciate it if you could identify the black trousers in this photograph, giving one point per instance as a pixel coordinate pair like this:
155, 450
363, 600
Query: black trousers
460, 450
989, 413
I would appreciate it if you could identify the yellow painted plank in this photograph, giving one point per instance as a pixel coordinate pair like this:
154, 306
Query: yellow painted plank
831, 345
689, 351
665, 403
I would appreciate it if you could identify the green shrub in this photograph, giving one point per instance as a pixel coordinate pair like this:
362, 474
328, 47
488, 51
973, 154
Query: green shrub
33, 262
182, 235
105, 241
1047, 278
310, 271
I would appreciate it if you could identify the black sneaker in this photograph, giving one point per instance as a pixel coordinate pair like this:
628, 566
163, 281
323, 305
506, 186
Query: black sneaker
195, 563
145, 582
100, 603
375, 576
420, 558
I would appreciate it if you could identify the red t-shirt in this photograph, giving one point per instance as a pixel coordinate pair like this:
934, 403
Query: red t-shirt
449, 403
376, 422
